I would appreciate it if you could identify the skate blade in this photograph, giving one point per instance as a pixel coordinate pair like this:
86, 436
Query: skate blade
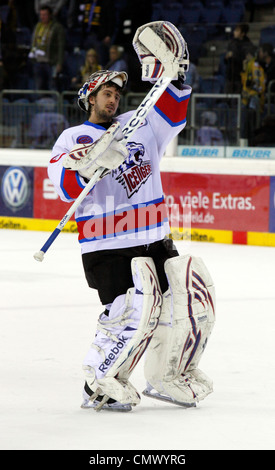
106, 407
148, 393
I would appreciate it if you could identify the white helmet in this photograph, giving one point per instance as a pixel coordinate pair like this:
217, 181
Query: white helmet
95, 81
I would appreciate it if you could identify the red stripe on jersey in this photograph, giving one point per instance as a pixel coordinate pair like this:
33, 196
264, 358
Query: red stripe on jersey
130, 221
174, 109
70, 184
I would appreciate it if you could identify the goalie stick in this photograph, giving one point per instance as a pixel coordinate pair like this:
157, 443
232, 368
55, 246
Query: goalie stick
131, 126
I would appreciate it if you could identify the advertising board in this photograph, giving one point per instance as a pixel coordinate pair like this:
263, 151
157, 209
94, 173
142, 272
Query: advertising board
202, 205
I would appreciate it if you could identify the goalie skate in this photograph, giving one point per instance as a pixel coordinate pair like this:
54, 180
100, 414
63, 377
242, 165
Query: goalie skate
152, 393
104, 403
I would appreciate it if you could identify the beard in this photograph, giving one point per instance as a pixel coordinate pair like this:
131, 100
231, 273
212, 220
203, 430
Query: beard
103, 114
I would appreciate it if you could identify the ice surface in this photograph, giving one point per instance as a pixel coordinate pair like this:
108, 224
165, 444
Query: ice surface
48, 318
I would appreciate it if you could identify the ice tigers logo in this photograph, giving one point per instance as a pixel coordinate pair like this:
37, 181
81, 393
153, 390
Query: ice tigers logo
134, 171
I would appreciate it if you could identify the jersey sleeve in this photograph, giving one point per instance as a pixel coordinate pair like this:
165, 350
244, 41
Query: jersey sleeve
67, 183
168, 117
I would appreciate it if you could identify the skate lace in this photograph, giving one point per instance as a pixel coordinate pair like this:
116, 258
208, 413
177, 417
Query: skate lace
186, 378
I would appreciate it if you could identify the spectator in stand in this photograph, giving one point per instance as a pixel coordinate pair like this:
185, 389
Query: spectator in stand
234, 57
267, 60
55, 6
91, 65
98, 22
116, 62
209, 134
253, 95
253, 82
47, 50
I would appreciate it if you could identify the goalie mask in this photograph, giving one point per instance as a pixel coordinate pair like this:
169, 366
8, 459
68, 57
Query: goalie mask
95, 81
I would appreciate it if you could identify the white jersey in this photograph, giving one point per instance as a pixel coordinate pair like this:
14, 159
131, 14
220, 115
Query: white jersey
126, 208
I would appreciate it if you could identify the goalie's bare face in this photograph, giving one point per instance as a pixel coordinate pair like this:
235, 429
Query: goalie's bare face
104, 104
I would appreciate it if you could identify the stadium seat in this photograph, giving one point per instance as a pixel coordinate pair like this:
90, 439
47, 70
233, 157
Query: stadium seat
195, 37
156, 12
268, 35
233, 13
191, 12
172, 12
73, 62
212, 14
195, 34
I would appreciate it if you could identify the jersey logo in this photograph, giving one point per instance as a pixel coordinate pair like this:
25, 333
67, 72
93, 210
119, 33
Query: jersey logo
84, 139
134, 171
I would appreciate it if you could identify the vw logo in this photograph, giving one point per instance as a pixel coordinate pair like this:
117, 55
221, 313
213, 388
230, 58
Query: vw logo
15, 188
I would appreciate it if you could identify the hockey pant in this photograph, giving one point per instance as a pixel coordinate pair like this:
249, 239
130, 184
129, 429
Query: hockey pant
186, 321
124, 334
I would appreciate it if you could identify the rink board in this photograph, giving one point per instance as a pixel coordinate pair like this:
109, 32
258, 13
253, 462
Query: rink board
216, 200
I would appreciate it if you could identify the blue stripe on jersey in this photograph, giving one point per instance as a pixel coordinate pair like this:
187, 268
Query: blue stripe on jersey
178, 99
97, 126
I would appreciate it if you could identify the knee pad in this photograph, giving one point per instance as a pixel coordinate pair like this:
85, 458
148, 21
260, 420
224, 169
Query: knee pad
186, 322
124, 334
